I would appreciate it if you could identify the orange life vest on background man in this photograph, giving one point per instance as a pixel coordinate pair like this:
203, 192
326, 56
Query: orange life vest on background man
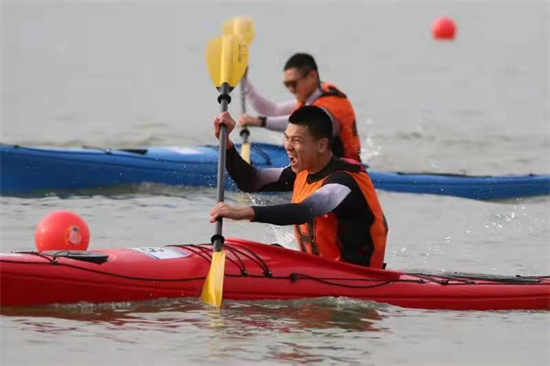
346, 143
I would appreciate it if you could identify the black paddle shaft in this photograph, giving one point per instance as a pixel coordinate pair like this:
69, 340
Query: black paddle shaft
224, 100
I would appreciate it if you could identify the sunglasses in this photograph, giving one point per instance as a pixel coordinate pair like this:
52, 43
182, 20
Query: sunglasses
292, 84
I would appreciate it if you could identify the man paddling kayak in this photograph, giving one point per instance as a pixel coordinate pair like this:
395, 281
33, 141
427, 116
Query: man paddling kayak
334, 206
301, 77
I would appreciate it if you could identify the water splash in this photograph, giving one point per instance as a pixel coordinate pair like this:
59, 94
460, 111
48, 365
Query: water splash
369, 149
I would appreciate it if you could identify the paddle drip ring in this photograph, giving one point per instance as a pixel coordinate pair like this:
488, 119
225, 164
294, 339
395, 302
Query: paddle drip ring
217, 237
224, 96
244, 133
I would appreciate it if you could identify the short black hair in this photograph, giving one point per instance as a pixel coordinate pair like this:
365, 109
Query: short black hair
303, 62
316, 119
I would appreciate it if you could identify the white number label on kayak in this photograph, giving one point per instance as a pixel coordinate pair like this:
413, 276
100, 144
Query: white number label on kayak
163, 253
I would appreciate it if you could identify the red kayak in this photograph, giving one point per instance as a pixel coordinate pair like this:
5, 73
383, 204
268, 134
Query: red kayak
253, 271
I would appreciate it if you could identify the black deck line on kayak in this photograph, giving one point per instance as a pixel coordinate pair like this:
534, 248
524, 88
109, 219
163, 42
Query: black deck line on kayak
201, 253
79, 255
454, 175
208, 258
444, 281
423, 278
244, 272
294, 277
49, 263
49, 258
106, 151
257, 260
135, 151
458, 175
204, 249
467, 278
110, 151
254, 257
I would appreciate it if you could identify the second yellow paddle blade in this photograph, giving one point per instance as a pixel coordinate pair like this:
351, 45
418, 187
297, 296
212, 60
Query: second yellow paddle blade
227, 59
245, 152
240, 25
212, 289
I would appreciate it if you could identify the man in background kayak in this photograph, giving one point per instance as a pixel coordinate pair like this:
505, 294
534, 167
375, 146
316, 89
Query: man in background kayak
334, 207
301, 77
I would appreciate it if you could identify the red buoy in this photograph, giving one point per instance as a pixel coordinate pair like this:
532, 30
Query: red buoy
62, 230
444, 28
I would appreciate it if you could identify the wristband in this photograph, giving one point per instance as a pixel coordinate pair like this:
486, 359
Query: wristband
262, 120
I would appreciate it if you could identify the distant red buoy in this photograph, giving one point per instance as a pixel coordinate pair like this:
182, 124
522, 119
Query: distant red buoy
444, 28
62, 230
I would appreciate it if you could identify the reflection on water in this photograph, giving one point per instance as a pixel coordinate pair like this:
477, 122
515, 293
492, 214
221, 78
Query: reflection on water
236, 330
333, 330
236, 318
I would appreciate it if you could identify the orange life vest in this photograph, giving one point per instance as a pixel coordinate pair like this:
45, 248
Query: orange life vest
321, 235
347, 143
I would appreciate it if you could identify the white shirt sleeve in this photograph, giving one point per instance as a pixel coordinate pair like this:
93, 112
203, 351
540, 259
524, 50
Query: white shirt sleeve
277, 123
264, 106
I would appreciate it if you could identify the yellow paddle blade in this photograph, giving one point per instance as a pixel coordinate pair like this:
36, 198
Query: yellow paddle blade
240, 25
245, 151
213, 285
227, 59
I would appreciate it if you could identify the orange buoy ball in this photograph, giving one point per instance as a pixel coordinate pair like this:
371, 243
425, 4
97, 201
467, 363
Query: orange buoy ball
62, 230
444, 28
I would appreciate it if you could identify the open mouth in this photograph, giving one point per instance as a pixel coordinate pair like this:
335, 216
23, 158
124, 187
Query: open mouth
293, 160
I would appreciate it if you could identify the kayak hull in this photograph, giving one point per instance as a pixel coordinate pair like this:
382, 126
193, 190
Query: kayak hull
253, 272
42, 170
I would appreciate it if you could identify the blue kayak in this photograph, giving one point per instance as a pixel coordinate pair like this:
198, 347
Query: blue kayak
30, 170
